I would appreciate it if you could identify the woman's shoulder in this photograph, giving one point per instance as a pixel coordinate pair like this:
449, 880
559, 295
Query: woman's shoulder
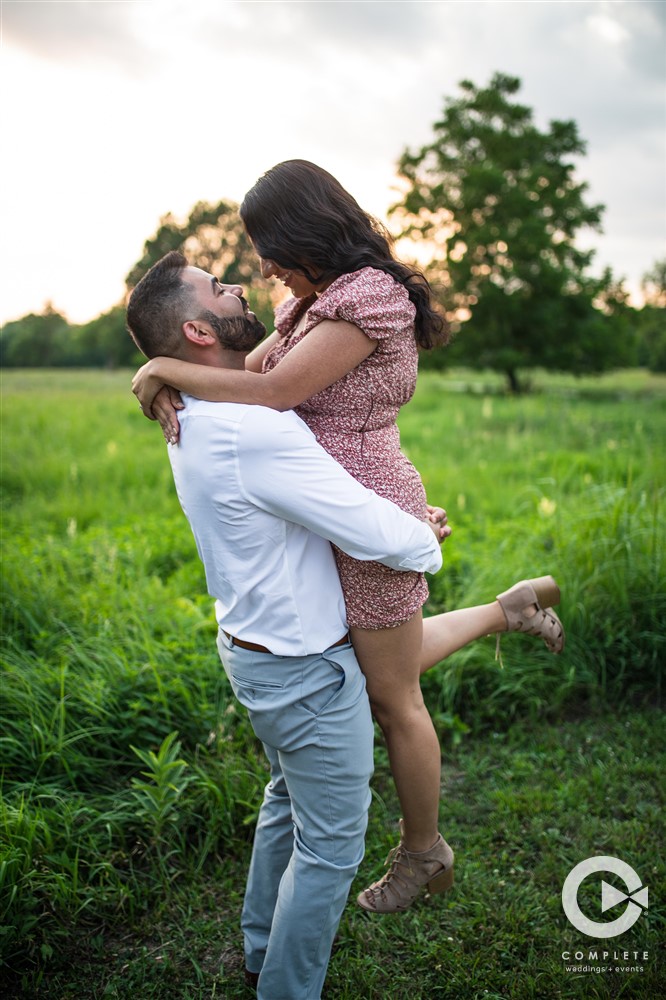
368, 281
371, 299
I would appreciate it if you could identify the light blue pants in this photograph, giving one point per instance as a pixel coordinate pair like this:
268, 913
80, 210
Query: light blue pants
313, 717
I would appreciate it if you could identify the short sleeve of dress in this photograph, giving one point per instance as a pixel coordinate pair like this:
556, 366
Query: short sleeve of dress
286, 315
370, 299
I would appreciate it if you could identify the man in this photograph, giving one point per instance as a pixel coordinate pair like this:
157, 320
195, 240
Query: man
264, 501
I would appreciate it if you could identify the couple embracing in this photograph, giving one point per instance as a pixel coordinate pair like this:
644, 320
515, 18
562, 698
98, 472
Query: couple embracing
315, 535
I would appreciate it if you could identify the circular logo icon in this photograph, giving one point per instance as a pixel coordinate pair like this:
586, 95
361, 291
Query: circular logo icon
610, 896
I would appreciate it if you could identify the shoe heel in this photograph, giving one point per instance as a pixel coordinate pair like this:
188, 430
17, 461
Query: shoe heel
546, 590
441, 882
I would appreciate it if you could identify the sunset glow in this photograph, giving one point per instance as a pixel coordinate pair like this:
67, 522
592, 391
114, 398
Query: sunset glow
116, 113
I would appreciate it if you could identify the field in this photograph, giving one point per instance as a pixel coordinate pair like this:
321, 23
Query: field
130, 782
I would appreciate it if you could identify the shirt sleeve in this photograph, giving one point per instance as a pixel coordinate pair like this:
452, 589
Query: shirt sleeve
370, 299
285, 471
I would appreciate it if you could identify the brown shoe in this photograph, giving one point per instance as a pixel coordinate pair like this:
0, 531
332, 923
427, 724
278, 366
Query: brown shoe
542, 593
408, 874
251, 979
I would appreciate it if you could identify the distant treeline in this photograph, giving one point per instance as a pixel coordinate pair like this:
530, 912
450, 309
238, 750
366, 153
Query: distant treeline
48, 340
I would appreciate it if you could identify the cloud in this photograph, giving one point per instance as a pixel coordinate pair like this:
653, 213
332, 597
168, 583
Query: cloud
656, 8
371, 24
645, 22
306, 29
80, 32
176, 101
581, 62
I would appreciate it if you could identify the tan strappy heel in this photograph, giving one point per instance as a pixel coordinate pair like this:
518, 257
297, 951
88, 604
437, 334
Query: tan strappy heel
542, 592
408, 874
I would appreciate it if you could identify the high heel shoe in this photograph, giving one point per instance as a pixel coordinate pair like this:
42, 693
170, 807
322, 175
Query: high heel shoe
542, 592
408, 874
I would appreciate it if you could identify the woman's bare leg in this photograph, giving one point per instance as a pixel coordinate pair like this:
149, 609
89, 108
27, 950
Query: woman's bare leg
390, 660
444, 634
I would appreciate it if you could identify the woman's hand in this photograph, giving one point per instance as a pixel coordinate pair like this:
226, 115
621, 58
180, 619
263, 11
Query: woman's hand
145, 386
438, 521
165, 408
157, 400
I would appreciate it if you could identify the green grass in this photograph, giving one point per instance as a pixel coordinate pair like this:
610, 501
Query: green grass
130, 782
521, 807
550, 483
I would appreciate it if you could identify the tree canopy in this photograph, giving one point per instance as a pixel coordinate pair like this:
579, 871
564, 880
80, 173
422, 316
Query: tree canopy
495, 203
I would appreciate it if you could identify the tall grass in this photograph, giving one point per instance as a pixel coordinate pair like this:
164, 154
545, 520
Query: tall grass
125, 765
558, 483
108, 646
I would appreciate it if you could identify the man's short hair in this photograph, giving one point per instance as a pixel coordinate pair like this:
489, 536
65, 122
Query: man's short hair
158, 307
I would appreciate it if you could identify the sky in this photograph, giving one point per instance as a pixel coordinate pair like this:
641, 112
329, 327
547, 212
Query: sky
115, 112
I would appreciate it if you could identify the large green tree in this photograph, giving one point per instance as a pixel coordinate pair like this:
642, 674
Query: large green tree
495, 203
214, 239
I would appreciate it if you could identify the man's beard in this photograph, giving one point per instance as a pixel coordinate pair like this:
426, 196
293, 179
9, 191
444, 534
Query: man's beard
236, 333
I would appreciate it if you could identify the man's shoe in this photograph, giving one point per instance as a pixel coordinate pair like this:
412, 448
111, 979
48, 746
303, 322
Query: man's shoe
251, 979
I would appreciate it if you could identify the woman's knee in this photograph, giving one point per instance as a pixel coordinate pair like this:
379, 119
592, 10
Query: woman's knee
400, 712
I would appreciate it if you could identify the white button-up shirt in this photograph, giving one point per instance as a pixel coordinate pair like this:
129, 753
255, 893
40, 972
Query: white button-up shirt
264, 499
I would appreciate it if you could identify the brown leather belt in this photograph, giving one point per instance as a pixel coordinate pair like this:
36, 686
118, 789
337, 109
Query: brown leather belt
256, 648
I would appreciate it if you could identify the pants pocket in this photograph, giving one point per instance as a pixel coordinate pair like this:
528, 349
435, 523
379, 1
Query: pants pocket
321, 685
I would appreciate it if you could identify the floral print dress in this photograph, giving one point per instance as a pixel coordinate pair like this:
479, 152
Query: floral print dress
355, 421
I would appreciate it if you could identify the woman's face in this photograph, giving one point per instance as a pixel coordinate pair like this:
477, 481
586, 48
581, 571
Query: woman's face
294, 280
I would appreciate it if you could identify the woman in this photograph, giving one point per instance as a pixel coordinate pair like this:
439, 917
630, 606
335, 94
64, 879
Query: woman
344, 355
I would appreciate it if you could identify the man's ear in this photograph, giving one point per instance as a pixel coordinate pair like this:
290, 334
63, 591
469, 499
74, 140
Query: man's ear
198, 333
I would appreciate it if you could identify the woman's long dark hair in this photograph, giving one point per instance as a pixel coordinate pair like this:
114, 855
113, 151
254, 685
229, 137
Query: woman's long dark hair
301, 217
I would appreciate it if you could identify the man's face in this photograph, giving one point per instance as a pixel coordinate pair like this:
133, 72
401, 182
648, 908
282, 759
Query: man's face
212, 296
225, 310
